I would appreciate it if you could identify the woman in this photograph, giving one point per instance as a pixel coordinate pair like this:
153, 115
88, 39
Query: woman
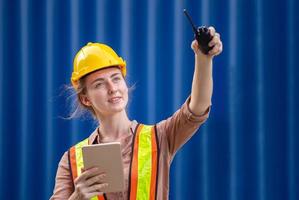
98, 78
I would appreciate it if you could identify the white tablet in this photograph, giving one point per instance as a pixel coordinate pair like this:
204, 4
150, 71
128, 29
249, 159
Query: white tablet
107, 157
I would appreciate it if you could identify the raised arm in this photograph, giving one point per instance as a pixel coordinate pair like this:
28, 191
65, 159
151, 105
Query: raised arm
178, 128
202, 84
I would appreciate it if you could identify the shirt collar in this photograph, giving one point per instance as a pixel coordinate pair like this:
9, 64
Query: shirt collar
94, 137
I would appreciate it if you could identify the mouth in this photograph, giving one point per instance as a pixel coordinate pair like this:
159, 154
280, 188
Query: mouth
114, 100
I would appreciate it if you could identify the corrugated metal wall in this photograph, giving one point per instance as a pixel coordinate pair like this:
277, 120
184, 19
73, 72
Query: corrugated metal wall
249, 147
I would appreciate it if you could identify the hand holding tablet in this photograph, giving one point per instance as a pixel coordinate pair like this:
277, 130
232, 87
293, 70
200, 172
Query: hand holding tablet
107, 158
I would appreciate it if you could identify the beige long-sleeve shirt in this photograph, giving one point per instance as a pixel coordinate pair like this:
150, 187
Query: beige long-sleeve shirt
172, 134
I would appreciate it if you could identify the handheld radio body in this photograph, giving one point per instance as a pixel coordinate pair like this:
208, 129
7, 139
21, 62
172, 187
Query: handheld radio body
201, 34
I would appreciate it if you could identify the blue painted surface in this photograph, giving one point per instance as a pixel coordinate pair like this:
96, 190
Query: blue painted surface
248, 149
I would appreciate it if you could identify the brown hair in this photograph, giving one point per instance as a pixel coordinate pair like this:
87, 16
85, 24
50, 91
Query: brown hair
76, 109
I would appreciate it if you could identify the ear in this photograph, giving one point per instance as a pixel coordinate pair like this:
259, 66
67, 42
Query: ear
84, 100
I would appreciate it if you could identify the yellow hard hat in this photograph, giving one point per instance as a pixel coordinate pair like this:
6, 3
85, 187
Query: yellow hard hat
92, 57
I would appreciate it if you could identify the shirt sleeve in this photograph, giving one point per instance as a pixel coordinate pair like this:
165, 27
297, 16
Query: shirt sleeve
180, 127
64, 186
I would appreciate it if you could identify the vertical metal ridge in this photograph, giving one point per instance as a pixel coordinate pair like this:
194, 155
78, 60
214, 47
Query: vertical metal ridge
125, 30
205, 13
151, 61
126, 39
2, 37
260, 103
177, 85
232, 95
177, 52
100, 21
49, 88
291, 99
125, 27
24, 97
75, 17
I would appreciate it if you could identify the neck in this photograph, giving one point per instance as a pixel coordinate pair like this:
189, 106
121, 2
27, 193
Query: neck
113, 126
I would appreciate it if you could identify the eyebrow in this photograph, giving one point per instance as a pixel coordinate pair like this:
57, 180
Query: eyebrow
102, 79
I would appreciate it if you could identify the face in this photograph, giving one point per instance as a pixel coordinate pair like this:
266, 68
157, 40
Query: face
107, 91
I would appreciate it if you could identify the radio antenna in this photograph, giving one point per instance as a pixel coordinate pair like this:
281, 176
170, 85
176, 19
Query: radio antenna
190, 20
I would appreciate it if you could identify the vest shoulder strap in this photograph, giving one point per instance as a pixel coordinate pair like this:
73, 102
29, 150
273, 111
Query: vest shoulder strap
76, 159
144, 163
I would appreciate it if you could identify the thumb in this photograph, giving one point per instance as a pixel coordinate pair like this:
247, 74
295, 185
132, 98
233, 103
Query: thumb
195, 47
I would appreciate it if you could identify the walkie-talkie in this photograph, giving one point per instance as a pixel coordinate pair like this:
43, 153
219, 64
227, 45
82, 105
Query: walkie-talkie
201, 34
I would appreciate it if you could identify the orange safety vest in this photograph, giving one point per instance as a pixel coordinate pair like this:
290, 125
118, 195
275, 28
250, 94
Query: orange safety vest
143, 173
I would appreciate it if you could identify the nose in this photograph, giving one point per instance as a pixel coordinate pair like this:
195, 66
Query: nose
111, 87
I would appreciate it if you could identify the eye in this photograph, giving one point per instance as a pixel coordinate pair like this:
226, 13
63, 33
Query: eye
116, 79
99, 84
